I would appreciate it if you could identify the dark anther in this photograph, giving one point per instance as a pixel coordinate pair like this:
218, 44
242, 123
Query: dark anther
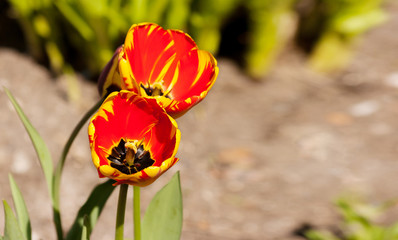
114, 160
123, 168
142, 159
118, 154
152, 91
121, 147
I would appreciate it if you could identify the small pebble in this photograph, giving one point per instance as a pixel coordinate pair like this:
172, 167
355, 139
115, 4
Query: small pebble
21, 163
364, 108
392, 80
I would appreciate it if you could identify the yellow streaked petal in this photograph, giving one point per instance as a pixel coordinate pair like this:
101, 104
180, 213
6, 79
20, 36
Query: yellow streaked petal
107, 170
95, 158
152, 171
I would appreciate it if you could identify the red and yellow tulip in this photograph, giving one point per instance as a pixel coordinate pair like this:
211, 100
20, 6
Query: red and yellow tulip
165, 65
109, 79
132, 139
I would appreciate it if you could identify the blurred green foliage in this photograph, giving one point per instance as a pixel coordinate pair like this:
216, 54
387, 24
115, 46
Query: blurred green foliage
92, 29
207, 19
270, 26
335, 25
85, 33
358, 222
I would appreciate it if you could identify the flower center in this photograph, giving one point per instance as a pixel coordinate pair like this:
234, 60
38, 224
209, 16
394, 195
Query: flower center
154, 90
130, 157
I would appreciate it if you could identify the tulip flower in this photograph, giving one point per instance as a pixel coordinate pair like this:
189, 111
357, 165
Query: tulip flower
165, 65
132, 139
109, 79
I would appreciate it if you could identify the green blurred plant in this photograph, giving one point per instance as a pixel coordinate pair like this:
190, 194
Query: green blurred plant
40, 28
85, 33
208, 16
271, 25
335, 25
358, 222
168, 13
94, 29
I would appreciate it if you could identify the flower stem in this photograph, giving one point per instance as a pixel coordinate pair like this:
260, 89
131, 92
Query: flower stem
60, 165
72, 137
137, 215
121, 209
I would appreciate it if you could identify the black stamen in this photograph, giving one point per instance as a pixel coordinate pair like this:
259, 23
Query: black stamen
121, 147
122, 168
142, 159
140, 152
150, 91
114, 160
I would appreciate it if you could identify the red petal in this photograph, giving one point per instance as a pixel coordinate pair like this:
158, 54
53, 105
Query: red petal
162, 140
183, 44
172, 59
197, 74
130, 118
148, 49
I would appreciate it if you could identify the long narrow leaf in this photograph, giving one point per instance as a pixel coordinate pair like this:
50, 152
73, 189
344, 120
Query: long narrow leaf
75, 19
91, 208
41, 148
86, 226
164, 213
44, 156
20, 207
11, 227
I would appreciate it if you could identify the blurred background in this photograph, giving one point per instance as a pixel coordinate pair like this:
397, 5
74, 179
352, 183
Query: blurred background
303, 112
68, 35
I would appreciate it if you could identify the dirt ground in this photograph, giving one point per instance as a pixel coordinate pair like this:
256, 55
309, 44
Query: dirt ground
258, 160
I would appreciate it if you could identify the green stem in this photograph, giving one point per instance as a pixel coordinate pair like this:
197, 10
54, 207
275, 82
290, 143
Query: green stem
137, 215
121, 209
60, 166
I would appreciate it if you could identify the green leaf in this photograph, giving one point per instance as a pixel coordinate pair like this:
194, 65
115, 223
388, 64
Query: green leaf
20, 207
41, 148
44, 156
75, 19
11, 227
163, 218
24, 8
319, 235
86, 225
92, 208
